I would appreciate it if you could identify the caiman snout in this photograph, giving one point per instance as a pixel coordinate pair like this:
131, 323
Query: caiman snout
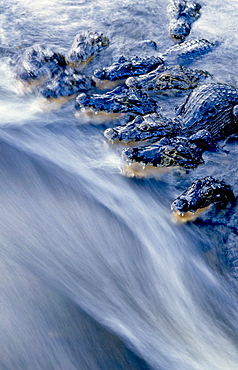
179, 205
111, 134
99, 73
129, 153
82, 99
131, 82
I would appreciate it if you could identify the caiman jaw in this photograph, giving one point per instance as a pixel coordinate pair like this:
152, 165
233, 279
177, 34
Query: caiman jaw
111, 134
183, 217
129, 154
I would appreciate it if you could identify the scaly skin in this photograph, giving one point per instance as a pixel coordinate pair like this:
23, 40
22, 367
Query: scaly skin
172, 78
171, 152
126, 67
151, 126
66, 83
85, 46
188, 51
119, 100
201, 194
39, 62
184, 14
212, 107
185, 52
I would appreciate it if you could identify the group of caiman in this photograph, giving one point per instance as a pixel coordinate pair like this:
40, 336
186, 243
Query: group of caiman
128, 87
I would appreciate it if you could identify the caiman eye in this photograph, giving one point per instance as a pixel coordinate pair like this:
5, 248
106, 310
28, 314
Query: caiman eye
144, 126
165, 77
122, 100
208, 193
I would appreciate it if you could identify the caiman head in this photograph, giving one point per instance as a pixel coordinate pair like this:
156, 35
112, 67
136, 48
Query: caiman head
202, 193
168, 152
126, 67
119, 100
152, 126
85, 46
168, 78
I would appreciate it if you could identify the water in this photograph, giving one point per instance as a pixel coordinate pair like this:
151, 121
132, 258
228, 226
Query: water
94, 275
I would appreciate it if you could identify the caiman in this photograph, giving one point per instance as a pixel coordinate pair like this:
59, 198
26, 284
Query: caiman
168, 78
209, 113
100, 102
126, 67
185, 152
39, 63
150, 127
184, 14
51, 73
85, 46
213, 107
68, 82
188, 51
201, 195
120, 100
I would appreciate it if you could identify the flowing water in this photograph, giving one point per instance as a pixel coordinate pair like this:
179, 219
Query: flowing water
94, 275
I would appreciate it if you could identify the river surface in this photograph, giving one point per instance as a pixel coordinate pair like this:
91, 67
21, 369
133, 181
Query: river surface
93, 272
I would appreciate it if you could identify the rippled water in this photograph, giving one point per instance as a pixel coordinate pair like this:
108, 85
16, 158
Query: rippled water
94, 275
